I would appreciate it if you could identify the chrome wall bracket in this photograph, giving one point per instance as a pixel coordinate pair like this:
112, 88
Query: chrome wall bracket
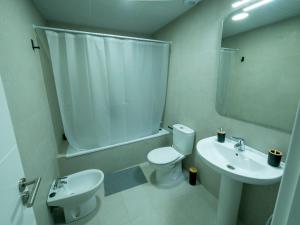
27, 197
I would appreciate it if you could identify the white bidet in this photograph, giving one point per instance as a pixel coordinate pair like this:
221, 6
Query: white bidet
76, 193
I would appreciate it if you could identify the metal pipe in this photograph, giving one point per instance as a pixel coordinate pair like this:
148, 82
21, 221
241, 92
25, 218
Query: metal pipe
99, 34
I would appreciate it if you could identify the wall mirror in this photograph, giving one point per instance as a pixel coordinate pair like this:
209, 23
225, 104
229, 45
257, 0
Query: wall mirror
259, 65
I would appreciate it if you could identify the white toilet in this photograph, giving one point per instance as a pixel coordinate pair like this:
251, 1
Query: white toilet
76, 193
167, 160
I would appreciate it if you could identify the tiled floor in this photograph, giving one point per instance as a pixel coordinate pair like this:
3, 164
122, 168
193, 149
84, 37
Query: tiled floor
149, 205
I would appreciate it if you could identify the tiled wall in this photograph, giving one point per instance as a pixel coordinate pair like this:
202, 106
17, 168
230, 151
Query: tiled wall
24, 85
196, 38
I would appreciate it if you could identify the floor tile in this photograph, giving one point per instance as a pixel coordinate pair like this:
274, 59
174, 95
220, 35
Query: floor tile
147, 204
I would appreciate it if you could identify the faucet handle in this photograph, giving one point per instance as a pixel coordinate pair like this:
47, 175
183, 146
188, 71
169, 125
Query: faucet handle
238, 139
240, 145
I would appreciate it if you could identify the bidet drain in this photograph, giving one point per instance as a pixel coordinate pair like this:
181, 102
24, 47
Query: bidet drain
230, 167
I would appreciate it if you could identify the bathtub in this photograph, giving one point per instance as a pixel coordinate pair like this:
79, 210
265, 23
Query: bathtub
73, 152
118, 156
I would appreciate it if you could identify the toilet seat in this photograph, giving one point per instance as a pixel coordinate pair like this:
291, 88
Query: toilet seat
163, 156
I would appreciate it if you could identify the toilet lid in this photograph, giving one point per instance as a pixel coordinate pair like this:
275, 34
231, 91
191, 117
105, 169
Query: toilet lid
163, 155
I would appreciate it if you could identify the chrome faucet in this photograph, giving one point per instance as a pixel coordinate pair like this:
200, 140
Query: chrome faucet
240, 145
58, 182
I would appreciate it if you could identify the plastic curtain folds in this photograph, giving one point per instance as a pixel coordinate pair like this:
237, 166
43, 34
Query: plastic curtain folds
109, 90
225, 72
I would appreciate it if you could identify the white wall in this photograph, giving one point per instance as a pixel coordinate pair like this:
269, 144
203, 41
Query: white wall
23, 81
191, 97
264, 89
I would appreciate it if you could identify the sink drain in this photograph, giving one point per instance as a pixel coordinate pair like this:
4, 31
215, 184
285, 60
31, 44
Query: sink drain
230, 167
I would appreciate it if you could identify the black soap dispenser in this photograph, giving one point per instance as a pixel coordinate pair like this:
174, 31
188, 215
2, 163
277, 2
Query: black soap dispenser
221, 135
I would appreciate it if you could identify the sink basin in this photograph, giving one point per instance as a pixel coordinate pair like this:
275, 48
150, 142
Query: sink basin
249, 166
235, 167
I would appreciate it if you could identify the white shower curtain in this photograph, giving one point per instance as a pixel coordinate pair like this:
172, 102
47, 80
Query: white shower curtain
110, 90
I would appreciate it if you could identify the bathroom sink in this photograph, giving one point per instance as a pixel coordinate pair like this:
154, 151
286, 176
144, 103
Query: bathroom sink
235, 167
249, 166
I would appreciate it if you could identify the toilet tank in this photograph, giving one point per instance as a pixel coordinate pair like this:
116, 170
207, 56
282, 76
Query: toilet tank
183, 139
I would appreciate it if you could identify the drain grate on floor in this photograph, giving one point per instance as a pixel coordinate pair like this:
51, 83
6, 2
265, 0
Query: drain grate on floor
123, 180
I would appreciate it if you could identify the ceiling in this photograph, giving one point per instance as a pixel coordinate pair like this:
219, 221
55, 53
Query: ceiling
140, 16
271, 13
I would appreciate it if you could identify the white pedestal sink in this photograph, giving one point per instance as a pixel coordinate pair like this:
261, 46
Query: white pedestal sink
236, 168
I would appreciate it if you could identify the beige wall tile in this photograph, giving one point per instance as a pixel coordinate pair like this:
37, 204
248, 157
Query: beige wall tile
23, 80
196, 37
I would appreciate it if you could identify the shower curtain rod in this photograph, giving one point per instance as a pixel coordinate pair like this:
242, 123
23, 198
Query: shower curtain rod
99, 34
230, 49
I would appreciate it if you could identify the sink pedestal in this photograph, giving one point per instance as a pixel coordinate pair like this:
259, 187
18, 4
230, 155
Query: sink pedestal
229, 201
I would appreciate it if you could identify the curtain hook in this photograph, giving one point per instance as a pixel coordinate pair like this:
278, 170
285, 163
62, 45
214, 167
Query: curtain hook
34, 46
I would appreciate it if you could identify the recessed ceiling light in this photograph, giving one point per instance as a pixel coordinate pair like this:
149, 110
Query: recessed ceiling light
240, 16
256, 5
239, 3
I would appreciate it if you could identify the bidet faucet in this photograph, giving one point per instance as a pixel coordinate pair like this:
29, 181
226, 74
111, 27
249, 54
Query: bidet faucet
58, 181
240, 145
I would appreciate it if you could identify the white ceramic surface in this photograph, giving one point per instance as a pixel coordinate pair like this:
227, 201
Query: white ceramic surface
250, 166
77, 196
167, 160
164, 156
183, 139
236, 167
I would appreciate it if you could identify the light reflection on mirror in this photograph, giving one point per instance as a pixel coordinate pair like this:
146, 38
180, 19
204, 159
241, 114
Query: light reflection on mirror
259, 69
